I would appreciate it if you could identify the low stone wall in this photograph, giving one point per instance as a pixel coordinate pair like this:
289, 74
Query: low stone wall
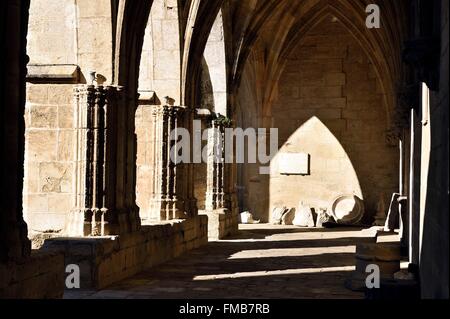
221, 223
105, 260
40, 276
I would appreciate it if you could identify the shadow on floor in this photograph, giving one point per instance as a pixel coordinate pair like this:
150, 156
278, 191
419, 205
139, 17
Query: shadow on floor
265, 230
260, 262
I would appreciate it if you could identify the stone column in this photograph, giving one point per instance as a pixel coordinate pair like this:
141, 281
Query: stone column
217, 199
102, 163
187, 187
167, 199
215, 176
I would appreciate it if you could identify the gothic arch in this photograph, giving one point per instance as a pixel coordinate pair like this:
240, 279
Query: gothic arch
132, 17
202, 15
387, 61
382, 46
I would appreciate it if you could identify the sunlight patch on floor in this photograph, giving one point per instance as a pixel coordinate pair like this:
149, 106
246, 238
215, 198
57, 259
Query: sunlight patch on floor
275, 273
291, 252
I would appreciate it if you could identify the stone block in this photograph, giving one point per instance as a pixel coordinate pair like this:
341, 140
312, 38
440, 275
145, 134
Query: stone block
379, 251
321, 92
40, 276
65, 116
86, 9
37, 202
327, 103
37, 93
55, 177
43, 116
368, 114
61, 94
41, 145
332, 79
65, 145
62, 203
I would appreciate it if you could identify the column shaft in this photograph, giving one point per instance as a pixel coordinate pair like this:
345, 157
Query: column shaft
103, 163
167, 199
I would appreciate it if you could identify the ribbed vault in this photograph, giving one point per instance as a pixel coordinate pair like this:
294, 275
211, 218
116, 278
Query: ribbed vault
276, 27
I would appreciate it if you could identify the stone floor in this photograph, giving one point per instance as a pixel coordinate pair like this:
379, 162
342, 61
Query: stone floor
262, 261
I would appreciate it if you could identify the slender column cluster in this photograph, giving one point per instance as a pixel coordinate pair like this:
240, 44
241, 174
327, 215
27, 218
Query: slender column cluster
90, 163
187, 187
166, 199
215, 178
103, 145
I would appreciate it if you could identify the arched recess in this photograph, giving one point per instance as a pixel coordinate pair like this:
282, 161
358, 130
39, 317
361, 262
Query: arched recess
132, 18
212, 96
196, 19
60, 60
384, 55
159, 84
252, 32
386, 70
200, 20
382, 45
159, 70
214, 67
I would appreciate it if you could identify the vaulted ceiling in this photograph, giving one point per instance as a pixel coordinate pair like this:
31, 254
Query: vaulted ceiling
271, 29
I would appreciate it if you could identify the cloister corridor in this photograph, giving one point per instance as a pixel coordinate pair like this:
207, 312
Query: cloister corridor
261, 261
212, 149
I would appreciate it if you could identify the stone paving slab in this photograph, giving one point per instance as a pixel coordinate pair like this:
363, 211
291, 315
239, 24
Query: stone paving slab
261, 261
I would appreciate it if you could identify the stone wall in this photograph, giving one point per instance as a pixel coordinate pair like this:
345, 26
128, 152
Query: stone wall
106, 260
160, 68
144, 160
40, 276
71, 32
221, 223
330, 106
212, 96
214, 82
200, 171
159, 75
48, 185
63, 41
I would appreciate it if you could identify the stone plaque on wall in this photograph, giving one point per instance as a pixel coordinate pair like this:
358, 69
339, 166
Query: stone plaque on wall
294, 164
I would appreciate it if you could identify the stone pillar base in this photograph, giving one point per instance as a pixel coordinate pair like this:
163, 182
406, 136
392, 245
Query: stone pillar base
221, 223
385, 255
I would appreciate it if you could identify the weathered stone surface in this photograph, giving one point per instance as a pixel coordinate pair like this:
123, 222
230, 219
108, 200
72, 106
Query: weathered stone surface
328, 107
221, 223
40, 276
51, 73
288, 217
304, 216
278, 272
379, 251
277, 215
105, 260
322, 218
